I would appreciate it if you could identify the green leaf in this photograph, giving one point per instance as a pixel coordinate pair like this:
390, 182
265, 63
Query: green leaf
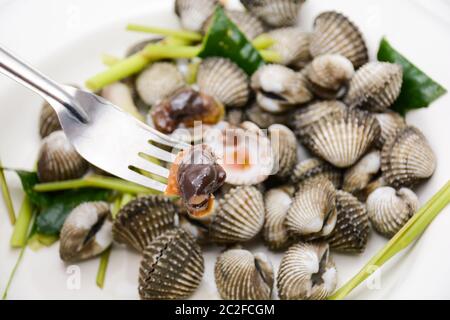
418, 90
224, 39
29, 180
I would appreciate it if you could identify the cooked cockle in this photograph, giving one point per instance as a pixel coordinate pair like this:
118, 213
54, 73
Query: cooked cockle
275, 13
407, 158
172, 267
307, 272
312, 168
352, 229
158, 82
247, 23
335, 33
277, 202
389, 210
264, 119
140, 221
184, 108
58, 160
86, 232
238, 216
358, 177
342, 139
313, 211
224, 80
311, 114
390, 122
293, 46
329, 75
279, 88
194, 13
375, 86
242, 275
284, 145
196, 228
121, 95
48, 120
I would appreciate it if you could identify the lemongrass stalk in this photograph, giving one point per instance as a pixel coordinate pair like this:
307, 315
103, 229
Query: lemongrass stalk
191, 76
174, 41
126, 198
157, 52
22, 227
7, 196
94, 182
182, 34
263, 42
408, 234
13, 272
110, 60
102, 268
270, 56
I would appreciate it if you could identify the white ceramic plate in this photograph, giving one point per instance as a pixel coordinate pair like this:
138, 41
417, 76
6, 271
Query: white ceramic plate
65, 40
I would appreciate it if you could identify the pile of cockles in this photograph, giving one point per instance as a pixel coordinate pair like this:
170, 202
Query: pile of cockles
325, 96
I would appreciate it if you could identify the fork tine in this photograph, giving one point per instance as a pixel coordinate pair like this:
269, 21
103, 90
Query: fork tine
160, 154
158, 137
146, 181
144, 164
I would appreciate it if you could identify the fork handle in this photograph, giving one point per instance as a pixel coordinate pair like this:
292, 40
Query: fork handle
18, 70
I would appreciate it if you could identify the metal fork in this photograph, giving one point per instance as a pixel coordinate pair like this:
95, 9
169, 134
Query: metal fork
102, 133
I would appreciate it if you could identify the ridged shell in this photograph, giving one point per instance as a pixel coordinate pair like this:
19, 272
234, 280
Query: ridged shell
293, 46
390, 123
342, 139
277, 202
196, 228
275, 13
307, 272
250, 25
312, 168
407, 159
375, 86
335, 33
329, 75
389, 210
194, 13
142, 220
241, 275
279, 88
224, 80
86, 232
358, 177
58, 160
48, 121
158, 82
239, 216
172, 267
313, 211
264, 119
352, 226
285, 149
311, 114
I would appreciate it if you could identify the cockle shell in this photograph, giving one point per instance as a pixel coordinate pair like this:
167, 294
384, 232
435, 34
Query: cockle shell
224, 80
389, 210
48, 120
375, 86
285, 149
390, 122
293, 45
122, 95
279, 88
249, 24
142, 220
277, 202
407, 158
264, 119
352, 229
342, 139
194, 13
172, 267
313, 210
196, 228
239, 216
307, 272
335, 33
158, 82
314, 167
58, 160
86, 232
358, 177
275, 13
242, 275
329, 75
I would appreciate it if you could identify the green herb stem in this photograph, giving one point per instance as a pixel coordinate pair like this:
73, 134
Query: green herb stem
94, 182
109, 60
102, 268
22, 227
263, 41
155, 52
182, 34
270, 56
409, 233
13, 272
7, 196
